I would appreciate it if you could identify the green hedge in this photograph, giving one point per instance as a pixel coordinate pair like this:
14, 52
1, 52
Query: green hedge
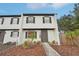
73, 33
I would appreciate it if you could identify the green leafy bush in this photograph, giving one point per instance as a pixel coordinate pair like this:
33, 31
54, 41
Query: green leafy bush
53, 42
72, 34
28, 44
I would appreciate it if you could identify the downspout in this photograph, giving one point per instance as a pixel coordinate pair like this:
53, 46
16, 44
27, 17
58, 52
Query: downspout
20, 31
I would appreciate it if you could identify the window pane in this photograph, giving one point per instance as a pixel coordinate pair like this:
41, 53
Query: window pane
30, 19
47, 20
15, 21
11, 21
43, 20
14, 34
32, 35
11, 34
1, 20
26, 35
35, 34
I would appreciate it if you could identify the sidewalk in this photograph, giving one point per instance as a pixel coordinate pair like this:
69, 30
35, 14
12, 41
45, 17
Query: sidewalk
49, 50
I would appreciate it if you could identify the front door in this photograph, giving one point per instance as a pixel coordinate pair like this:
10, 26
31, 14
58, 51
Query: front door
2, 33
44, 36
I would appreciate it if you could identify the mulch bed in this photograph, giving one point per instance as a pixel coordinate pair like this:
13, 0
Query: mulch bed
66, 50
6, 45
20, 51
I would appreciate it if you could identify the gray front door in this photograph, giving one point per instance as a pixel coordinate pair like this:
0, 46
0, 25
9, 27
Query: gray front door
44, 36
2, 33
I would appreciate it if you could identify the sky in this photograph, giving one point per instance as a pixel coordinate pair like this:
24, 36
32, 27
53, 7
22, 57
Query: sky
19, 8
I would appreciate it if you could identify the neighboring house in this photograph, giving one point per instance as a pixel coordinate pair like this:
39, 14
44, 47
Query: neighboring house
18, 28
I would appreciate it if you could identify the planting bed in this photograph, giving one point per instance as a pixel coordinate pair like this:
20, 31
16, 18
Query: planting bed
66, 50
36, 50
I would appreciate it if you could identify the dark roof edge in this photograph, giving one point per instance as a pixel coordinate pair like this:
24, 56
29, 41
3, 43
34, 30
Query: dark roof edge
10, 15
28, 15
31, 29
39, 14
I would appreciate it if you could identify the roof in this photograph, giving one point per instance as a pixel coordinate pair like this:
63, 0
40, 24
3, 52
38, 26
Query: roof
10, 15
40, 14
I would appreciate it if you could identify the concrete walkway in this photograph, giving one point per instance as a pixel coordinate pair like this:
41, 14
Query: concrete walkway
49, 50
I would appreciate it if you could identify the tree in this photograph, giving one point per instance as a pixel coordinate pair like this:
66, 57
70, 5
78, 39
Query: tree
76, 15
65, 23
70, 22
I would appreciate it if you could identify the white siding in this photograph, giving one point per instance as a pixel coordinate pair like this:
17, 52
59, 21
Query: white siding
7, 25
7, 37
38, 23
51, 35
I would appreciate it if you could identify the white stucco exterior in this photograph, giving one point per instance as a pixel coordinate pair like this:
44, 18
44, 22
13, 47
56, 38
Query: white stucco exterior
51, 28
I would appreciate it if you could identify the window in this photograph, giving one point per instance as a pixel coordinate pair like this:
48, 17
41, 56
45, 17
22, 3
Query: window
17, 20
31, 34
47, 19
1, 20
11, 21
14, 34
30, 19
0, 33
14, 21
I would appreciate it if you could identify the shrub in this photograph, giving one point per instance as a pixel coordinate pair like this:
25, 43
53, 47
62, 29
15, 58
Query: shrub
25, 45
28, 44
53, 42
36, 43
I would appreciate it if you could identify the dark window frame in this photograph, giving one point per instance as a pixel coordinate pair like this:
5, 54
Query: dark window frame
12, 19
11, 22
11, 35
25, 34
17, 20
43, 20
2, 21
27, 19
33, 32
50, 21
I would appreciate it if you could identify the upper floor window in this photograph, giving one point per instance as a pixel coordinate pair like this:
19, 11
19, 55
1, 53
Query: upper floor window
14, 21
30, 19
1, 20
47, 19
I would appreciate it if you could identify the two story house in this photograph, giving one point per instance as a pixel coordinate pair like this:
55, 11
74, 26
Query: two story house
18, 28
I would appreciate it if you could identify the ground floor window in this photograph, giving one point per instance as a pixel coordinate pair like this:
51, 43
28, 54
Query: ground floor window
31, 34
14, 34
